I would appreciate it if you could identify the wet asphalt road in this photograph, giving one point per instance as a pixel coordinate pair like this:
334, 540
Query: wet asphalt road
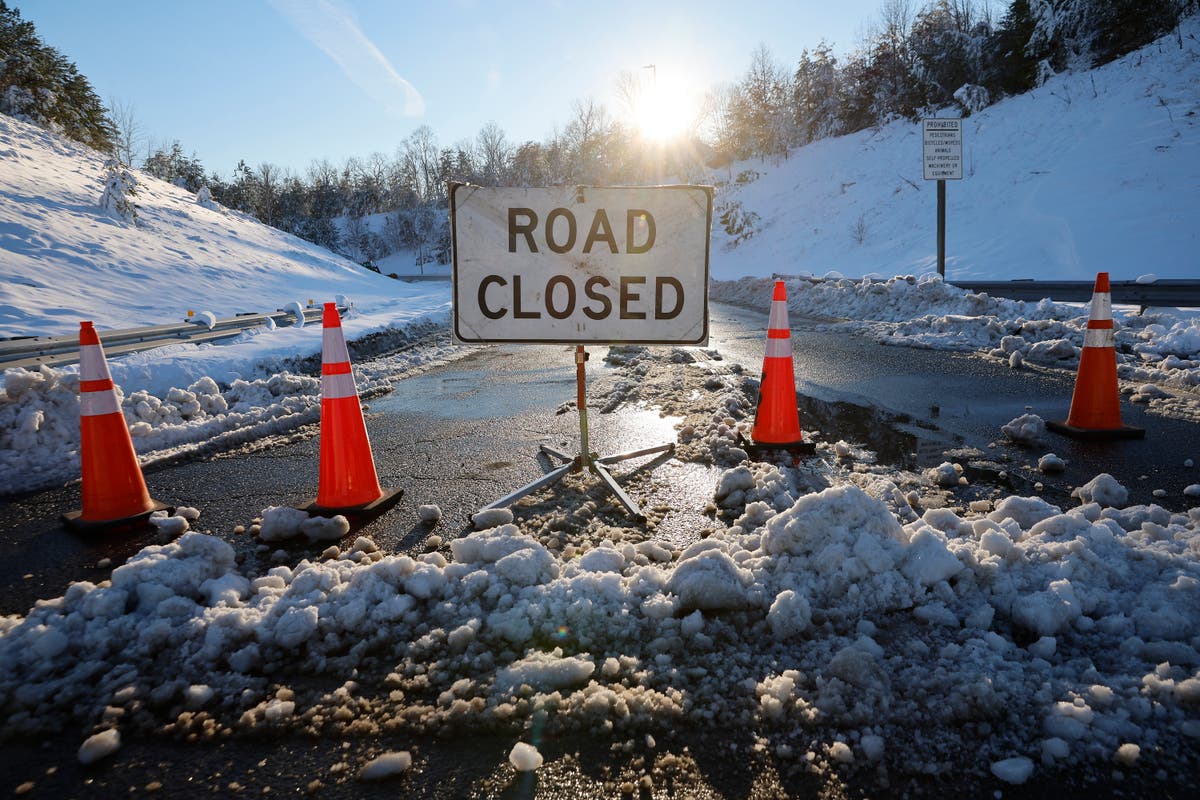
464, 434
959, 400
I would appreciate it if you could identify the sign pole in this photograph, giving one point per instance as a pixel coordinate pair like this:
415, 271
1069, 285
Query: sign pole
586, 459
941, 227
941, 141
581, 358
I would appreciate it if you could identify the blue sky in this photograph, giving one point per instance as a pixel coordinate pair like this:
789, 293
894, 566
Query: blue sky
290, 81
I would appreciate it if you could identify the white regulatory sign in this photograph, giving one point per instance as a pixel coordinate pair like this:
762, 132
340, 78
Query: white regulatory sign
942, 140
581, 265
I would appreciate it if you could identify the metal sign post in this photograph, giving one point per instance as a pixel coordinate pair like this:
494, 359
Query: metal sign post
589, 265
586, 459
942, 156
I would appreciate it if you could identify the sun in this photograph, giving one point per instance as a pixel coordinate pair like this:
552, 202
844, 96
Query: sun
664, 112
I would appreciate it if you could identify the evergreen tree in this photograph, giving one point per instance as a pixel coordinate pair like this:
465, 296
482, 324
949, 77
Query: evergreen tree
947, 48
176, 168
815, 94
120, 189
1009, 64
856, 94
1121, 26
39, 85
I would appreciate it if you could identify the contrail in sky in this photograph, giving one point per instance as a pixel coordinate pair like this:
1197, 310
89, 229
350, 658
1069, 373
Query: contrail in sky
333, 29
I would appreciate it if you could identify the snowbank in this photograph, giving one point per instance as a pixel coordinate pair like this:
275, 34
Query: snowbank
39, 411
941, 623
1156, 347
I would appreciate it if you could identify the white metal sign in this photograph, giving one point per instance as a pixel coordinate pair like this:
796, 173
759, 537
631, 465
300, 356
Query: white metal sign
581, 265
942, 140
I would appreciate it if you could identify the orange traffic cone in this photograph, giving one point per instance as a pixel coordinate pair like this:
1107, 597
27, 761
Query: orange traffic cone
114, 491
777, 420
347, 481
1095, 405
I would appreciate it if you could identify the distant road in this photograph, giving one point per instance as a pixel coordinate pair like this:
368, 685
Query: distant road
960, 398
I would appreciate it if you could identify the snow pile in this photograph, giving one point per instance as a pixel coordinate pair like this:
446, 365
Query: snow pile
99, 746
280, 523
927, 313
39, 410
1026, 429
1051, 463
1032, 629
524, 757
39, 420
1103, 489
385, 766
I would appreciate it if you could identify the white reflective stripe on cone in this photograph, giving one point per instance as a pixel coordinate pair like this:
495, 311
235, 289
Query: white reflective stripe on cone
96, 404
1099, 337
1101, 306
333, 346
92, 366
778, 318
779, 348
337, 386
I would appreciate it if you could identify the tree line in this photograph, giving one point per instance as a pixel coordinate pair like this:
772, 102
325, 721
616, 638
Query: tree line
912, 60
915, 59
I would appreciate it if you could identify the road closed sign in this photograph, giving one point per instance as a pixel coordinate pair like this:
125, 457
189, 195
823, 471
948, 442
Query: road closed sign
581, 265
942, 149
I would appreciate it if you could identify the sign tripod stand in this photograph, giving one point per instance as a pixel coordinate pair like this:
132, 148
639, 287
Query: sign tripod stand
586, 459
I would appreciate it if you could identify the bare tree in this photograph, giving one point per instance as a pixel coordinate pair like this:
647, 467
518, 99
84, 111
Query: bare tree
494, 153
759, 107
629, 94
586, 136
420, 153
717, 122
269, 181
129, 131
356, 237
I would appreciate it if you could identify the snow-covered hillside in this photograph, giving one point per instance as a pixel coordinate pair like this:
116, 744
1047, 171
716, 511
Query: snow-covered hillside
1094, 171
63, 259
66, 259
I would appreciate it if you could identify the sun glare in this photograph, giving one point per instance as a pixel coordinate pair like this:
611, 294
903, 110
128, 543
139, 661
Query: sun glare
664, 113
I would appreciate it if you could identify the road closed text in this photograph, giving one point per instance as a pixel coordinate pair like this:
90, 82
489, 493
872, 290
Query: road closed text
632, 297
592, 265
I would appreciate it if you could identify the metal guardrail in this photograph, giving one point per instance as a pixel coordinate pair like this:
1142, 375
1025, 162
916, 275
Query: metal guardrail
1168, 293
444, 276
35, 351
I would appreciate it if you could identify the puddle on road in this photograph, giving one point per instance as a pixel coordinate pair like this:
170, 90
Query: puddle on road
896, 439
472, 395
632, 428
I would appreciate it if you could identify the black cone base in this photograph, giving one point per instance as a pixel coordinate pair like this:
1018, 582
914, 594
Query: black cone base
1097, 434
75, 522
795, 449
379, 505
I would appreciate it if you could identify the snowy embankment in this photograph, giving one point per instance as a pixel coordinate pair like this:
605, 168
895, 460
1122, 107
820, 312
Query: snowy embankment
1093, 171
849, 628
1158, 353
180, 415
65, 260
